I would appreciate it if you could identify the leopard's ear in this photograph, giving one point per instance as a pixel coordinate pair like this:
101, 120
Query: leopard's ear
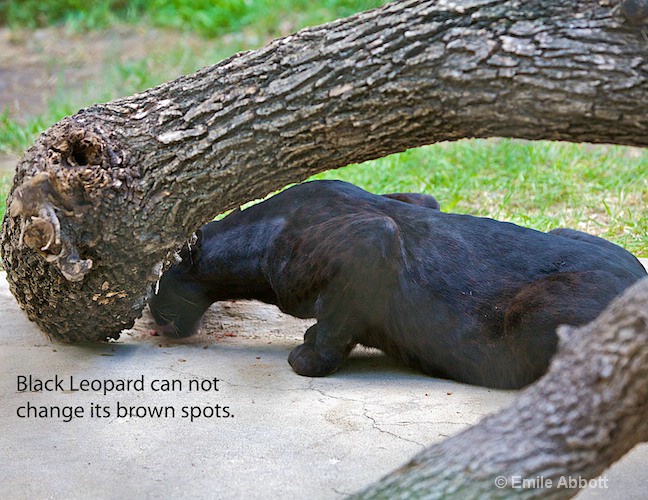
192, 250
199, 239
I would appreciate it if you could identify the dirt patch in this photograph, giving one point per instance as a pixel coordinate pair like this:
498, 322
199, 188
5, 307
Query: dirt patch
36, 65
233, 321
7, 164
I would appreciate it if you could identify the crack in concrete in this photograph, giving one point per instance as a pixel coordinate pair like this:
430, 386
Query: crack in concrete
326, 395
374, 423
344, 494
377, 427
428, 422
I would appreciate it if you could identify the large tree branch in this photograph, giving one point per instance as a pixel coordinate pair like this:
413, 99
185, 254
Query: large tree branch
587, 412
104, 195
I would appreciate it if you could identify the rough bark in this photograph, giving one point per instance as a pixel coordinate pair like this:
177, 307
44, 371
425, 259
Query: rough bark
103, 196
587, 412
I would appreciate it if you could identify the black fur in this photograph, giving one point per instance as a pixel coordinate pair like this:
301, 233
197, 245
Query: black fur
456, 296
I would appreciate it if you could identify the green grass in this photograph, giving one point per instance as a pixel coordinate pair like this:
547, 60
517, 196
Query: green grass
5, 184
119, 79
16, 136
75, 13
207, 17
260, 20
600, 189
267, 16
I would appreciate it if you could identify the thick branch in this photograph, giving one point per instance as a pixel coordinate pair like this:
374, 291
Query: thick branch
587, 412
103, 196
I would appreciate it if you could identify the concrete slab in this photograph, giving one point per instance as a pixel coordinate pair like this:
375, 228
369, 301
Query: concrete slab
259, 431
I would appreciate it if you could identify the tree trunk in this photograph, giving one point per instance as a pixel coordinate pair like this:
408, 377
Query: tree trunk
582, 416
103, 196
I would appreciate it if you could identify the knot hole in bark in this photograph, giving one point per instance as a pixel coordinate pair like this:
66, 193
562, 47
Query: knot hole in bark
86, 152
77, 148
